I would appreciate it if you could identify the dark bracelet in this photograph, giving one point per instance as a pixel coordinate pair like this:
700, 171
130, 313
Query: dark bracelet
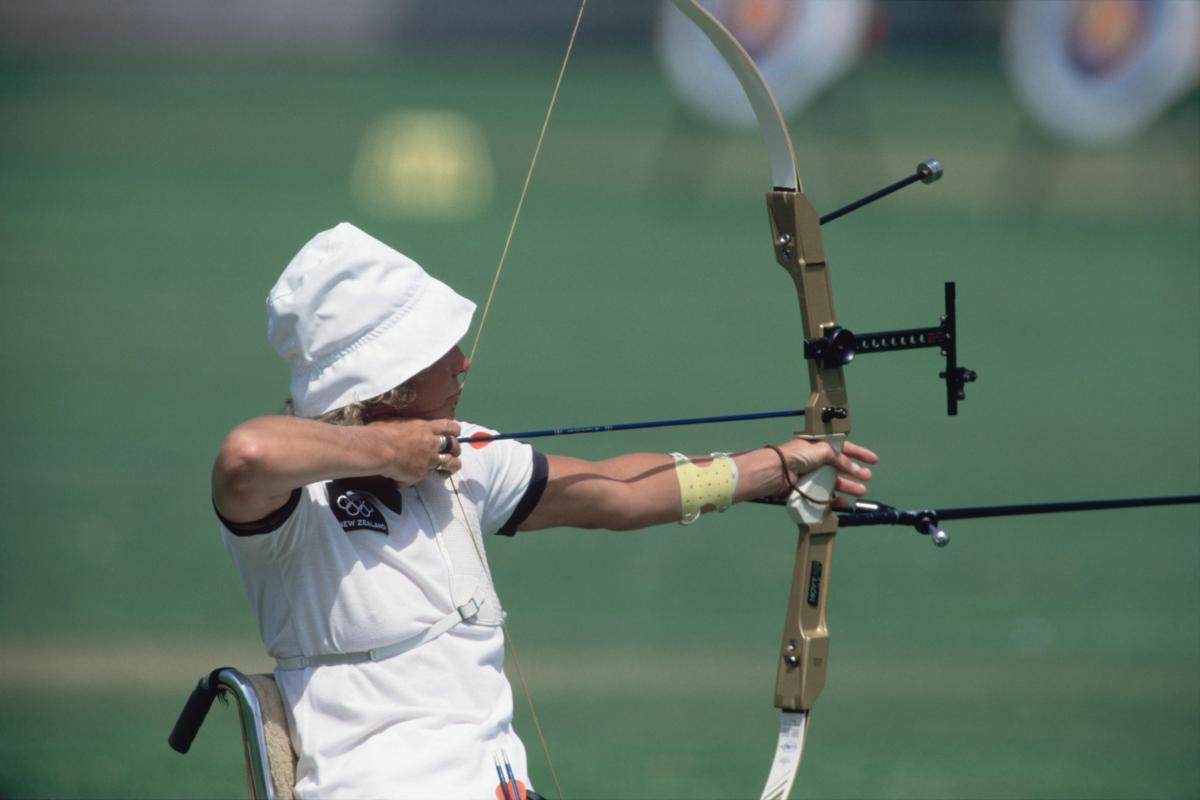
792, 486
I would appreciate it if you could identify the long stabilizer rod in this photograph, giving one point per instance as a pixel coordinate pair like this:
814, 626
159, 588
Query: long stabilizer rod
866, 513
631, 426
928, 521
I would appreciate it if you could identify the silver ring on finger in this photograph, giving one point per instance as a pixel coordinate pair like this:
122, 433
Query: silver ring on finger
442, 461
445, 443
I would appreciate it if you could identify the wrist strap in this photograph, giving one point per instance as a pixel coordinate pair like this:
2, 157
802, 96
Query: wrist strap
793, 486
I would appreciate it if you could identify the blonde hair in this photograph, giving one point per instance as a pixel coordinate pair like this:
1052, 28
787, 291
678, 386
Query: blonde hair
362, 412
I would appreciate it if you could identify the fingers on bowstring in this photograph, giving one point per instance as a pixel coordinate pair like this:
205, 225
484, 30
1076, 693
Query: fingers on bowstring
448, 444
446, 433
446, 464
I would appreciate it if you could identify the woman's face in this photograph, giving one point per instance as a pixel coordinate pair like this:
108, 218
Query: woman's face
438, 386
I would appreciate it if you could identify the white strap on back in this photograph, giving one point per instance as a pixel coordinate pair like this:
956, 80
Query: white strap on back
461, 542
471, 590
464, 613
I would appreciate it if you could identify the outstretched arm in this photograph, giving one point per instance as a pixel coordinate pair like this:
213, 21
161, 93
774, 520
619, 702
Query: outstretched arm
262, 461
641, 489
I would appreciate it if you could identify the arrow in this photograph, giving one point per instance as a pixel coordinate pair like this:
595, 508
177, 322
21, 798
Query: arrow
479, 438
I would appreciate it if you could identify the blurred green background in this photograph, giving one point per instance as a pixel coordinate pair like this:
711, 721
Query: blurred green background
148, 204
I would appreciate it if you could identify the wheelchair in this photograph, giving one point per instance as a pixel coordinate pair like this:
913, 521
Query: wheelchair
270, 759
266, 742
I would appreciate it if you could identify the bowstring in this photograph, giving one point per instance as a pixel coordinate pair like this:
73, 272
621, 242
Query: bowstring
512, 646
537, 150
476, 540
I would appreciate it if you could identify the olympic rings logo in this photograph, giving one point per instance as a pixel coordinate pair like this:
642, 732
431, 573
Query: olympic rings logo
355, 506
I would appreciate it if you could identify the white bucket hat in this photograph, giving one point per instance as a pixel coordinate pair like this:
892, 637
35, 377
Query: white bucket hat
354, 318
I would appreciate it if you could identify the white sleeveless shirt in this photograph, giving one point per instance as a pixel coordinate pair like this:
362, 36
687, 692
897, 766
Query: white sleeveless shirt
355, 567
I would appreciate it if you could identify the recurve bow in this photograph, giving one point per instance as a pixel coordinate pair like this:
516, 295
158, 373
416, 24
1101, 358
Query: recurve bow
796, 236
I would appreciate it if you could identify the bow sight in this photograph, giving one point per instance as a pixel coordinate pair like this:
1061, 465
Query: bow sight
837, 346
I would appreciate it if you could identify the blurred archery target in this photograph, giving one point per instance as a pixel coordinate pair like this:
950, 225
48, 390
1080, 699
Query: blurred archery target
1094, 71
800, 46
423, 164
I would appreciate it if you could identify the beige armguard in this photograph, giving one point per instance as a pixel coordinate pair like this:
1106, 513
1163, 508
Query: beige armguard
699, 487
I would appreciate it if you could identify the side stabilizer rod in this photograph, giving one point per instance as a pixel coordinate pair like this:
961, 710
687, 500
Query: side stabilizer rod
927, 172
